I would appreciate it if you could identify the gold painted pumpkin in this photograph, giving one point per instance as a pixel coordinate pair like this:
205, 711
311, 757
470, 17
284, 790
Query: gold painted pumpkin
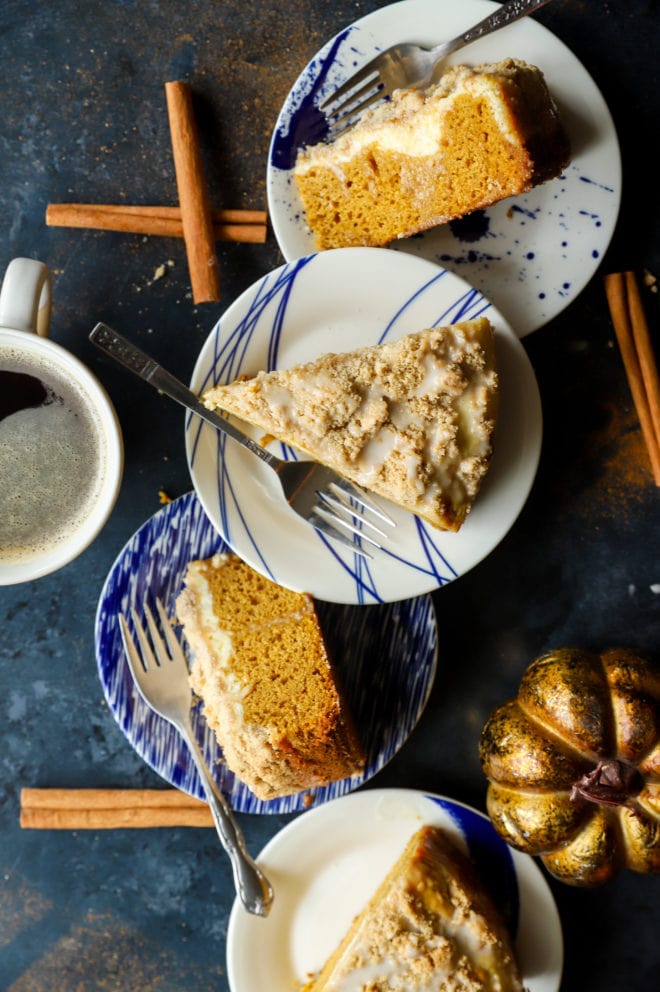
573, 764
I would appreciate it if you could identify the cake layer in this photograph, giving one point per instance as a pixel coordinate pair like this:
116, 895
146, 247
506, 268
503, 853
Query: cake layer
429, 927
426, 157
411, 420
267, 685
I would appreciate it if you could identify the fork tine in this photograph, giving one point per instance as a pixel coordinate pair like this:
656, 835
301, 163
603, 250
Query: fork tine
338, 521
174, 647
370, 69
137, 663
367, 503
330, 522
158, 645
146, 651
354, 98
134, 657
326, 524
342, 505
168, 650
340, 125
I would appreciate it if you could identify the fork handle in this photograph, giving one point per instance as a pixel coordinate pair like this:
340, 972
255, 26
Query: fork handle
252, 886
142, 365
507, 13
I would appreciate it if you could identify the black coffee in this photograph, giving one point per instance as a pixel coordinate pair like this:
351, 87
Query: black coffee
19, 391
52, 455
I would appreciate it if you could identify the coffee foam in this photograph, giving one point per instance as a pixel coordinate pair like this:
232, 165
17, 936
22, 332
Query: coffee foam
53, 462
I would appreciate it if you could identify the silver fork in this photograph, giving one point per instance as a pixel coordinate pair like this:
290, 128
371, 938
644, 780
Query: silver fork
161, 677
408, 65
322, 497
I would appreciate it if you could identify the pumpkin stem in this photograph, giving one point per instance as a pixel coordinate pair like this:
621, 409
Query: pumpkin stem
611, 783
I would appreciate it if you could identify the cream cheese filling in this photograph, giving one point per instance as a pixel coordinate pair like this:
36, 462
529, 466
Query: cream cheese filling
410, 124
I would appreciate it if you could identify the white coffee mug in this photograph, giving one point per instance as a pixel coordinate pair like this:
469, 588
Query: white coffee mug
61, 447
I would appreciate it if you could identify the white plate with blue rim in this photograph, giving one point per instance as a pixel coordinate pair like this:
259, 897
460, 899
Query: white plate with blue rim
531, 255
336, 301
386, 658
325, 865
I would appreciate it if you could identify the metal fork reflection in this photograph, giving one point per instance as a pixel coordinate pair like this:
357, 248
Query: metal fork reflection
160, 672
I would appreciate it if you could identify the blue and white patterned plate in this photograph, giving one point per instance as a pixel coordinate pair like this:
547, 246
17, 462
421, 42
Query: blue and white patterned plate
530, 255
335, 301
325, 865
386, 656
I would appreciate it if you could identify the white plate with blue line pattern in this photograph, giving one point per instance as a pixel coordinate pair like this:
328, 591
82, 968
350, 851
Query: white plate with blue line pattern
325, 865
386, 657
531, 255
336, 301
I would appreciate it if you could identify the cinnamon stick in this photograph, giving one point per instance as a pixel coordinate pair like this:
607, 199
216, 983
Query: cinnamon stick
228, 225
645, 353
225, 216
193, 195
633, 336
106, 798
113, 819
105, 809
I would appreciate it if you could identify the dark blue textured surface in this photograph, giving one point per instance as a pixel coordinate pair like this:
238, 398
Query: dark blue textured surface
84, 118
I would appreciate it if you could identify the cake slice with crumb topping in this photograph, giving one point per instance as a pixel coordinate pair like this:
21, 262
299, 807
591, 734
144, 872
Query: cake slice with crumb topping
412, 420
431, 926
425, 157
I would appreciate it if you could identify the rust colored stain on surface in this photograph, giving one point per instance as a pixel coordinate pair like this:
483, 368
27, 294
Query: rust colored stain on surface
625, 464
20, 907
103, 954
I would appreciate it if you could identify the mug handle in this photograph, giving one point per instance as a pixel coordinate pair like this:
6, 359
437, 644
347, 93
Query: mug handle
26, 297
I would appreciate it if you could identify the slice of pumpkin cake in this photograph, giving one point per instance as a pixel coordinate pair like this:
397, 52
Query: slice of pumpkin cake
428, 156
412, 420
269, 689
429, 927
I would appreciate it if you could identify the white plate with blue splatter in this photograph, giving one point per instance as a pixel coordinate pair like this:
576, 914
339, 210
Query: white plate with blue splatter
386, 658
531, 255
336, 301
326, 864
